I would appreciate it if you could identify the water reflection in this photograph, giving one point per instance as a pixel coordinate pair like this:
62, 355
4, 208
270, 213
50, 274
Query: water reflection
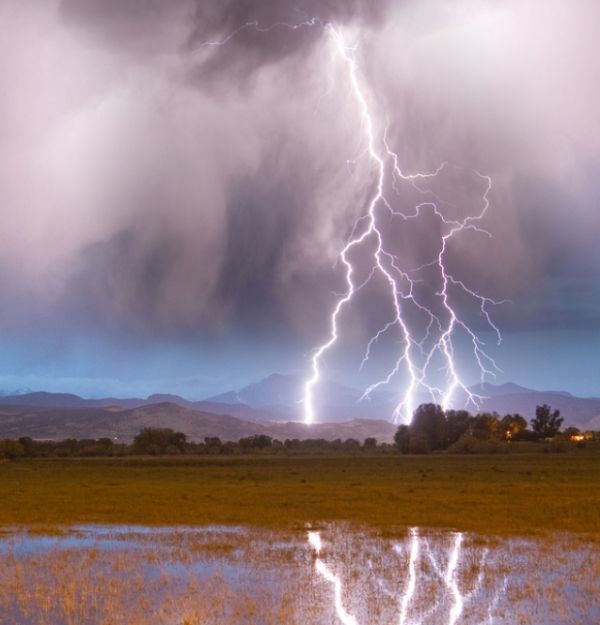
408, 593
335, 574
314, 540
454, 578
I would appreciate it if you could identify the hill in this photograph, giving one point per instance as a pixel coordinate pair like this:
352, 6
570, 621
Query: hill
277, 398
577, 411
123, 425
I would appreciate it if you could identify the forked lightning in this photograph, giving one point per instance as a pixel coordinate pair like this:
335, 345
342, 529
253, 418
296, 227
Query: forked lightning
417, 354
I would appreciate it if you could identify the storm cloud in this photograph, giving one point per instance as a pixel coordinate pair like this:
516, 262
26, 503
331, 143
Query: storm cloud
154, 182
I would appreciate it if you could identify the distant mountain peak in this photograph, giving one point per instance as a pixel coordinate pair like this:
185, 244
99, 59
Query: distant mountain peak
161, 398
276, 388
487, 389
15, 392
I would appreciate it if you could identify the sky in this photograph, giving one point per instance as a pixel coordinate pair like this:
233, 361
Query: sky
173, 210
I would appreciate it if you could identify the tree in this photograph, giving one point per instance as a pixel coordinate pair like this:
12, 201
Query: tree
402, 439
370, 443
430, 421
157, 440
213, 444
419, 443
262, 441
546, 423
485, 426
572, 431
457, 424
512, 424
28, 445
11, 449
257, 441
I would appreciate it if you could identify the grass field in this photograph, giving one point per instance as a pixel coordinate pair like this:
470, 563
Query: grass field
504, 494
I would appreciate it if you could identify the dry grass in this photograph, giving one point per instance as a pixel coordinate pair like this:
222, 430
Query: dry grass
508, 494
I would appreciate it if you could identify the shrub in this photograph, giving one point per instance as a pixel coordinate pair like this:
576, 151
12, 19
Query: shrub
556, 446
468, 444
11, 449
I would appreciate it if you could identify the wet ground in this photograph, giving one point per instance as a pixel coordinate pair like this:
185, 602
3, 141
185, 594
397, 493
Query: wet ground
340, 573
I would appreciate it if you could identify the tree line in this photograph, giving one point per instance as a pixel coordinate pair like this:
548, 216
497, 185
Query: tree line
434, 429
165, 441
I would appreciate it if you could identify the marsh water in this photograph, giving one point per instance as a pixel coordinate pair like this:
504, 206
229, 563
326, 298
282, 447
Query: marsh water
331, 574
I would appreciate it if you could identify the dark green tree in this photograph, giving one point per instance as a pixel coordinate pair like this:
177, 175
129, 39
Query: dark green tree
547, 422
28, 445
257, 441
457, 424
430, 421
157, 440
402, 439
419, 442
512, 424
213, 444
11, 449
485, 427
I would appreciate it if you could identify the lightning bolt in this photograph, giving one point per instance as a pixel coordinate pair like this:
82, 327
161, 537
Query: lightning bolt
314, 540
412, 576
447, 605
418, 354
451, 581
401, 283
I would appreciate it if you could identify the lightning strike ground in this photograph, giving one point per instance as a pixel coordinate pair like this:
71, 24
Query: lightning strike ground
417, 354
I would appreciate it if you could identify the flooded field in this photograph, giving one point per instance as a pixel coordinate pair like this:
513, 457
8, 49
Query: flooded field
109, 575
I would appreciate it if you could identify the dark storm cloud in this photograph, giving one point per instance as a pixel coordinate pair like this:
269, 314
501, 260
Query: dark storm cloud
122, 21
214, 21
164, 185
130, 23
156, 26
151, 274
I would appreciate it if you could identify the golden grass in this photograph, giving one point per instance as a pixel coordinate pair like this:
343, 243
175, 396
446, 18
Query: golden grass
503, 494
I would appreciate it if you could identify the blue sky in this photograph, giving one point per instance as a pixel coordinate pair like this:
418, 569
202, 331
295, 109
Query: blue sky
560, 360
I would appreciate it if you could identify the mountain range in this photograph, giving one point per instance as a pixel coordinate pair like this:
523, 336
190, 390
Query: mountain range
271, 406
123, 425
